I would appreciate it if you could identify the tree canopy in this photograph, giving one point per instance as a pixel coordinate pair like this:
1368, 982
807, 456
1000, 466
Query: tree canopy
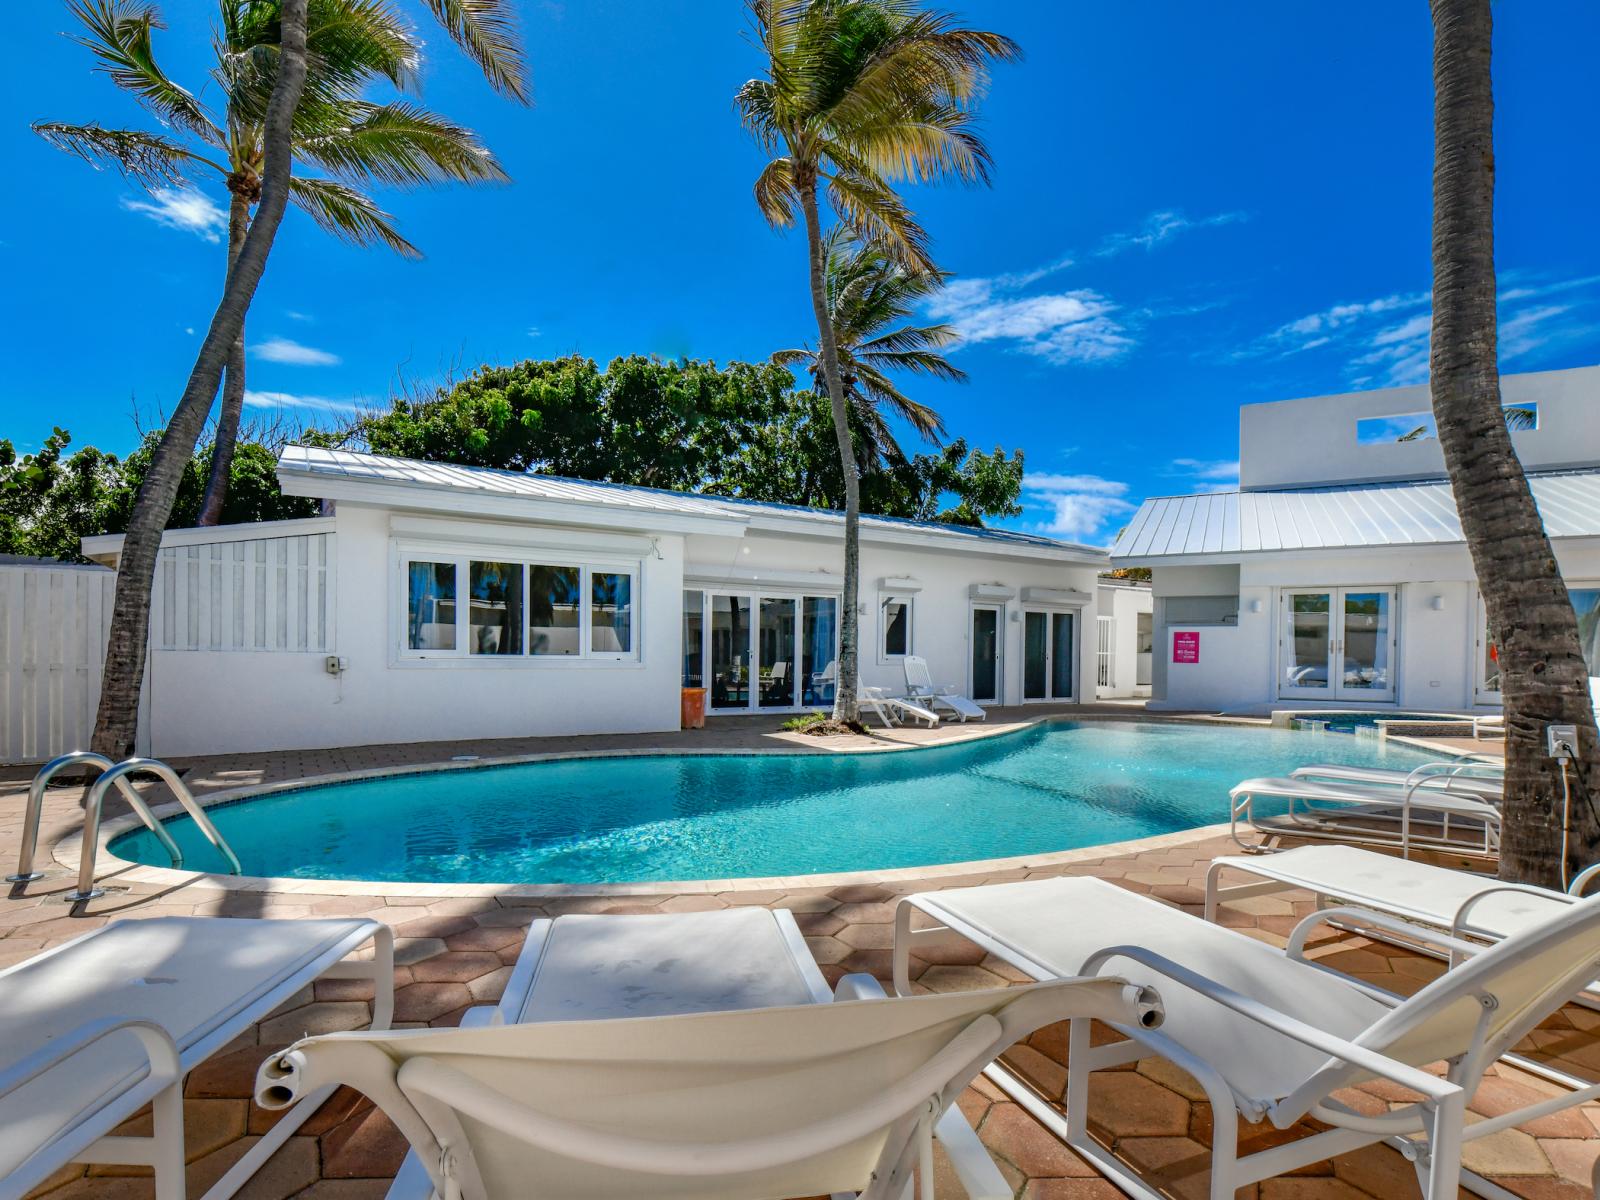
740, 430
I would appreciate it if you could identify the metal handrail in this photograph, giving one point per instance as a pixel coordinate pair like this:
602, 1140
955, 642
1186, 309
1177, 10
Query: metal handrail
30, 821
91, 819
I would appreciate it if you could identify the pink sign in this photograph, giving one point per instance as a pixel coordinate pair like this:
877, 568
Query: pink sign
1186, 646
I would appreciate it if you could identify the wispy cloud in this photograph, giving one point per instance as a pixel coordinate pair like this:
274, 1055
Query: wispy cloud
284, 350
534, 331
297, 316
1161, 227
254, 399
181, 208
1076, 506
1075, 326
1208, 474
1385, 340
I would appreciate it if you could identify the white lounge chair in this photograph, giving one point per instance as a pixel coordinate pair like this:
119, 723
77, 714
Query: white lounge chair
1458, 902
1425, 815
94, 1030
1269, 1036
626, 1074
920, 687
1473, 777
892, 710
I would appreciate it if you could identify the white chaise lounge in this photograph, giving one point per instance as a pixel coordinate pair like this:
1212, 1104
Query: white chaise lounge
920, 689
1429, 814
693, 1055
1269, 1036
1458, 902
94, 1030
893, 710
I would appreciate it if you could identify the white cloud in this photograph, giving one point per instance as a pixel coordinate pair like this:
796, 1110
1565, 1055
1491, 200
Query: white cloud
283, 350
297, 316
535, 331
1060, 327
1079, 506
1161, 227
183, 209
254, 399
1209, 474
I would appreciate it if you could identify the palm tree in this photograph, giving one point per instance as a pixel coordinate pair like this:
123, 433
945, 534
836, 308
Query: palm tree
869, 295
483, 29
350, 44
859, 94
1544, 679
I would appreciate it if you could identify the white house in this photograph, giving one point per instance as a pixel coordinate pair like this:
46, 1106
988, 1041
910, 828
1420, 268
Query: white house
441, 602
1337, 574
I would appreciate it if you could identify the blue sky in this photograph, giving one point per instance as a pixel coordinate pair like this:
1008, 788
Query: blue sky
1194, 207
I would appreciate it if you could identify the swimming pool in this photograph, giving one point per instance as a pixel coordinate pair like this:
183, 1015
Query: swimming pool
1055, 786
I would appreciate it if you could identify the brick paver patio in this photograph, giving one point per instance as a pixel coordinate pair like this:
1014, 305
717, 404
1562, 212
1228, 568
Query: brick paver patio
456, 952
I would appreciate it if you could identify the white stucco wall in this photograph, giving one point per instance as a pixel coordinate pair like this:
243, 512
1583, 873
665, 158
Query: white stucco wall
1436, 666
941, 623
1314, 440
211, 701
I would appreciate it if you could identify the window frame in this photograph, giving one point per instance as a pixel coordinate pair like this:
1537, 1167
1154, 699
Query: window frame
462, 558
908, 599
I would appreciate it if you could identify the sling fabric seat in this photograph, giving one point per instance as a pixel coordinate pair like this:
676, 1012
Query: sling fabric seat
920, 689
1272, 1037
807, 1097
96, 1028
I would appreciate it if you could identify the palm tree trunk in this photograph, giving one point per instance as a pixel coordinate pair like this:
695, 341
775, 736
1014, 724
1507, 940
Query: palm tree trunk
845, 707
116, 723
232, 384
1544, 679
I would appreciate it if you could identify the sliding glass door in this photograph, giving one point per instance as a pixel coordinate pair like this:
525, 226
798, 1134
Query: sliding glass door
759, 652
1337, 644
1048, 653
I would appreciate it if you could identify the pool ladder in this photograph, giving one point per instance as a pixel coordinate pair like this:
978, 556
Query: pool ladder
111, 774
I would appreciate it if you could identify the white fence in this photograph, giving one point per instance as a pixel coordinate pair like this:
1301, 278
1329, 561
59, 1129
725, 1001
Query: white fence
256, 594
1107, 649
53, 623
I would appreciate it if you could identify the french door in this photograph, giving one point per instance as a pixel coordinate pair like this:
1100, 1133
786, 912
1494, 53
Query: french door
984, 685
1337, 644
768, 652
1048, 654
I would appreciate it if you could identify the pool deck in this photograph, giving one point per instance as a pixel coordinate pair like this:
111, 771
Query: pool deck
456, 951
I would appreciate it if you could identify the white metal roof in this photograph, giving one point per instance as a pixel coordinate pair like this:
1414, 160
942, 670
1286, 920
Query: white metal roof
340, 474
1406, 513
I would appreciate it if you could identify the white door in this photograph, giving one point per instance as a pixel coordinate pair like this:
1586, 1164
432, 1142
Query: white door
1337, 644
983, 685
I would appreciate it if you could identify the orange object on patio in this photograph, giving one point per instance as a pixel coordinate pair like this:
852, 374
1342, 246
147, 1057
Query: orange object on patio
694, 708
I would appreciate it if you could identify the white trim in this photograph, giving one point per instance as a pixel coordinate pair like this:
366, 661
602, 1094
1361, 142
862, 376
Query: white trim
520, 538
900, 585
1043, 597
909, 599
812, 582
109, 545
991, 593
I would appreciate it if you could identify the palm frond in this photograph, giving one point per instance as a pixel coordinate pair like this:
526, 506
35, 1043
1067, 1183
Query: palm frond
793, 357
912, 339
876, 385
775, 192
487, 31
399, 144
146, 158
875, 213
117, 32
348, 214
918, 362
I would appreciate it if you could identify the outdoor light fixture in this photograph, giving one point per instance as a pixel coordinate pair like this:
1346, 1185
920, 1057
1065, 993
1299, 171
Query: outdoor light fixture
1255, 606
1436, 603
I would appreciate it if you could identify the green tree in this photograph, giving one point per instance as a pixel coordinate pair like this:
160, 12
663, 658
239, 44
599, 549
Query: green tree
871, 297
350, 45
1544, 679
859, 94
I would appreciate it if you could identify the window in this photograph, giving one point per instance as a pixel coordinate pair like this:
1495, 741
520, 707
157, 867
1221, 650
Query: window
1419, 427
554, 614
517, 609
611, 613
895, 614
431, 606
495, 616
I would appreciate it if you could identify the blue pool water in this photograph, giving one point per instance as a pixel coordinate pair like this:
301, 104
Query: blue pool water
1056, 786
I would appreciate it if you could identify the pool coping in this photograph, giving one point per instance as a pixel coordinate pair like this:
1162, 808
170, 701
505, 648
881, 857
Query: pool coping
66, 849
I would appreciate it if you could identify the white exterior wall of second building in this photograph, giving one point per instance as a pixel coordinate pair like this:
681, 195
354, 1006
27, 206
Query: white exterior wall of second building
220, 681
1438, 624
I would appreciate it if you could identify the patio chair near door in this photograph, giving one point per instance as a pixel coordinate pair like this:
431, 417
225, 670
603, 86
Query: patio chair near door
920, 688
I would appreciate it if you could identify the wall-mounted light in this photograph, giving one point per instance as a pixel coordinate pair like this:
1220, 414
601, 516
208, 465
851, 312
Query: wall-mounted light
1255, 606
1016, 616
1436, 603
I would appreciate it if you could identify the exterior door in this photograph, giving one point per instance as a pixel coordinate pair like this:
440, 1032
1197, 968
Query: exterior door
1337, 644
1048, 642
984, 686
